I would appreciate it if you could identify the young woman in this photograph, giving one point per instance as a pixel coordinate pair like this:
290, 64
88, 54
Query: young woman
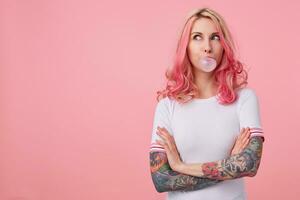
207, 132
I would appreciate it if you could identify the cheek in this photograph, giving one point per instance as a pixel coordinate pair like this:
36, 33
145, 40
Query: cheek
218, 50
217, 46
192, 49
220, 55
189, 51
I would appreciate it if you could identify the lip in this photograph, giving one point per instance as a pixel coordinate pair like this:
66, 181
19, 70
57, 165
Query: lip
208, 57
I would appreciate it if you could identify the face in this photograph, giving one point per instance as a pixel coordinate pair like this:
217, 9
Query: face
204, 41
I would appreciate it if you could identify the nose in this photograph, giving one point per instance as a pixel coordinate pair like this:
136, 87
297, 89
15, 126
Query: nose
207, 47
207, 51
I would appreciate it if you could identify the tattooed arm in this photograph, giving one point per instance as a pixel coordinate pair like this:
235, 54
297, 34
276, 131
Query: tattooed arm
165, 179
239, 165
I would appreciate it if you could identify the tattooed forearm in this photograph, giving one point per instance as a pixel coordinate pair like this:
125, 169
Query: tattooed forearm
239, 165
165, 179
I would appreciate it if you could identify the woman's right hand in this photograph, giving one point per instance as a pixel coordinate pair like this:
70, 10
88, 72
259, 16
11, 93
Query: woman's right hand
241, 142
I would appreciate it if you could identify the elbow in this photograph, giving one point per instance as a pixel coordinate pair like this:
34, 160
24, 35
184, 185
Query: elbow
253, 166
159, 171
251, 174
244, 174
159, 187
254, 170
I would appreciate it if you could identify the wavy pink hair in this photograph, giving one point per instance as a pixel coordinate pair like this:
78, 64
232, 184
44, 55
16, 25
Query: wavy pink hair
229, 75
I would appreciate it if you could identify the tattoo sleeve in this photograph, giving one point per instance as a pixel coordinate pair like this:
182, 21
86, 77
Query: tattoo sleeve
239, 165
165, 179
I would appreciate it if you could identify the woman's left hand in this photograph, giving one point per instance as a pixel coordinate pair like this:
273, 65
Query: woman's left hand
169, 145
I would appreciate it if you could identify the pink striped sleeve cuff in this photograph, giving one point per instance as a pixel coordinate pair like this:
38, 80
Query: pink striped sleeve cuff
257, 132
156, 147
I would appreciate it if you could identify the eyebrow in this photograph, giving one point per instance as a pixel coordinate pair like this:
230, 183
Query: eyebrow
202, 33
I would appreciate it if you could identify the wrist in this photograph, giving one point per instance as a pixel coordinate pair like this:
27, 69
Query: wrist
192, 169
181, 167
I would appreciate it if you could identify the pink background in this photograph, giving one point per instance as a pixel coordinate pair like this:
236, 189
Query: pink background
78, 82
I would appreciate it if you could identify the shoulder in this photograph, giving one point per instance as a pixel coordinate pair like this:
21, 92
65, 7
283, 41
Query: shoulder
165, 104
246, 93
166, 101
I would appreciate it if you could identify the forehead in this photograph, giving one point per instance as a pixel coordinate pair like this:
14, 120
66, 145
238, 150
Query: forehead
204, 25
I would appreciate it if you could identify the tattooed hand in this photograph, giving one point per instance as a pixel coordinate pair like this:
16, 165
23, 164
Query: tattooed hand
169, 145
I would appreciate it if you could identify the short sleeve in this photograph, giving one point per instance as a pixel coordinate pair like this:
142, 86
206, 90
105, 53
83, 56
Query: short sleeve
161, 119
249, 113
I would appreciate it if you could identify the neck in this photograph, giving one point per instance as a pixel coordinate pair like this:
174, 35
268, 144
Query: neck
206, 84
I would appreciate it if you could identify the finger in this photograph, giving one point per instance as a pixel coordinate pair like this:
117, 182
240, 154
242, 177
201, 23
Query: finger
237, 140
170, 140
243, 129
160, 134
240, 139
245, 137
167, 140
246, 143
162, 131
171, 143
247, 129
248, 134
163, 137
244, 134
167, 135
242, 145
165, 146
241, 133
163, 143
166, 132
160, 143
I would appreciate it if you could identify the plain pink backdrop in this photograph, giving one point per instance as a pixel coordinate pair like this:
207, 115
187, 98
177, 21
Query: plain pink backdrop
78, 82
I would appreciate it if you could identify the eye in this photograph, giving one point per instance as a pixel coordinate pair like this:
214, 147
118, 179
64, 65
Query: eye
196, 36
199, 37
218, 37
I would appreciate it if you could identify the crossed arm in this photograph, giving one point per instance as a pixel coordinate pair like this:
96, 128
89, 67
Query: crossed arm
165, 179
199, 176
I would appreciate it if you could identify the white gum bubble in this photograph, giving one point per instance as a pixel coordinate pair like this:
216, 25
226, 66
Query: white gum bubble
207, 64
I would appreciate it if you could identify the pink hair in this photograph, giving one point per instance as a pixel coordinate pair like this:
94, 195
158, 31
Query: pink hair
230, 74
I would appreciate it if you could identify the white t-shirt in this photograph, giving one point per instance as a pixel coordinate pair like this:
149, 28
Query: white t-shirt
205, 131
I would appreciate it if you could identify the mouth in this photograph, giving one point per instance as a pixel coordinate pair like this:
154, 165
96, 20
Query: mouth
209, 57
